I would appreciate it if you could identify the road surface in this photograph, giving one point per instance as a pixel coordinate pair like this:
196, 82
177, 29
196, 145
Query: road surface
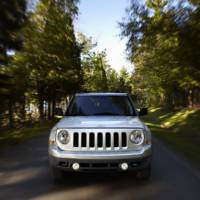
24, 175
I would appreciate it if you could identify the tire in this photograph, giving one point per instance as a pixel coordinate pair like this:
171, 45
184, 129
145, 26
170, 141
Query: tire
144, 174
57, 175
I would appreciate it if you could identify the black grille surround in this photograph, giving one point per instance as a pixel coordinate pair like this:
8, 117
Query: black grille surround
99, 140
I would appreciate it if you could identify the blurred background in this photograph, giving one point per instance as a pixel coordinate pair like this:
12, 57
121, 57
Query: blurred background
150, 49
52, 49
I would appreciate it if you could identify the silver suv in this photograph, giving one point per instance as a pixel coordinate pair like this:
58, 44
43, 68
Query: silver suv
101, 131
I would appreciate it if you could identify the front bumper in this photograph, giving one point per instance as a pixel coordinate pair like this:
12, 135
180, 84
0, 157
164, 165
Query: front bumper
109, 160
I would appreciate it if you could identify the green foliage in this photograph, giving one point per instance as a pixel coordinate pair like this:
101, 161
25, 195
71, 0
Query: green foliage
112, 80
52, 63
11, 20
47, 67
94, 68
51, 50
179, 129
163, 42
97, 72
125, 81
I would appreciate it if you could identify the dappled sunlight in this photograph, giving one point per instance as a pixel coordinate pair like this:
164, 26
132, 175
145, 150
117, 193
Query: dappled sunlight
58, 117
167, 115
177, 118
75, 193
179, 129
163, 119
18, 176
152, 110
152, 124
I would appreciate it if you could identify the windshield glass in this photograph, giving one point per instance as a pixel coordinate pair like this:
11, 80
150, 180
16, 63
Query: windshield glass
101, 105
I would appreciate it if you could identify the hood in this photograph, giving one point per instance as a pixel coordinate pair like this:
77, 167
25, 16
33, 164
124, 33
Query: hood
100, 122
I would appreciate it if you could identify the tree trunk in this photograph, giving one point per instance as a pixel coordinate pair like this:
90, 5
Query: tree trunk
49, 109
53, 107
1, 118
41, 109
23, 111
10, 113
190, 99
40, 90
104, 77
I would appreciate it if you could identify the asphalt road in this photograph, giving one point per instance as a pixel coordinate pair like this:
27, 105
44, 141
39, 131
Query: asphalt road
24, 174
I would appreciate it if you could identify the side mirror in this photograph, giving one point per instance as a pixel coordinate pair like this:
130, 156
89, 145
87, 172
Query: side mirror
143, 111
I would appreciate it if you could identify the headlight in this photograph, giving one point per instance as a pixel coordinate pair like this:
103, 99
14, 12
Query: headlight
63, 137
137, 136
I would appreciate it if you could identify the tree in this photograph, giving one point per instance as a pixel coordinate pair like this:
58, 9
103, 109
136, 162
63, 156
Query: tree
94, 69
125, 81
189, 52
12, 17
156, 45
112, 80
52, 51
94, 64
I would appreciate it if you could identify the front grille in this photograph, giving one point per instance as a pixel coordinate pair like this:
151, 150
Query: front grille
100, 140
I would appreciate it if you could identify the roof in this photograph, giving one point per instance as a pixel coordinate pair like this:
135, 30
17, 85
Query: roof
102, 94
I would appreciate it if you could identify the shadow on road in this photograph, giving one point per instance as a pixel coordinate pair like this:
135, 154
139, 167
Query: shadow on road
32, 180
25, 174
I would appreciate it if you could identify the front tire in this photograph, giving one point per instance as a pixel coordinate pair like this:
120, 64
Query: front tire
144, 174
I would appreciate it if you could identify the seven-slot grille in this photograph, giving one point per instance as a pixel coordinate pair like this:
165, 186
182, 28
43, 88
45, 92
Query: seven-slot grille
100, 140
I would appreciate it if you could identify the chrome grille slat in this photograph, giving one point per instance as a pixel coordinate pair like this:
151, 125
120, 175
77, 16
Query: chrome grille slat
120, 141
104, 141
80, 140
108, 140
88, 141
112, 141
95, 141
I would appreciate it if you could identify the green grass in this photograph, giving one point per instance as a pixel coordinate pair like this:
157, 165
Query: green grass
179, 129
14, 136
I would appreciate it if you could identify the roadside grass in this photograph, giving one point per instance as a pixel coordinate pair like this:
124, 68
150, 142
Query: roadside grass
179, 129
14, 136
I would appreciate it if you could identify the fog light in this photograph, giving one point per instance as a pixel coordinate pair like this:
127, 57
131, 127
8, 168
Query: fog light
124, 166
76, 166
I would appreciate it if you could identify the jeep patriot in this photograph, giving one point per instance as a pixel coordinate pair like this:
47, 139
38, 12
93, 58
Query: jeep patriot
101, 131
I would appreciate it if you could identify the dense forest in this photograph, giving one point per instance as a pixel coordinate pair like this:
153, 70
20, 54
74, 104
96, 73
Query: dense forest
43, 61
163, 43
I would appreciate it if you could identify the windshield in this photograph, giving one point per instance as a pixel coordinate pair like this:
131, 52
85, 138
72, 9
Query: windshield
101, 105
